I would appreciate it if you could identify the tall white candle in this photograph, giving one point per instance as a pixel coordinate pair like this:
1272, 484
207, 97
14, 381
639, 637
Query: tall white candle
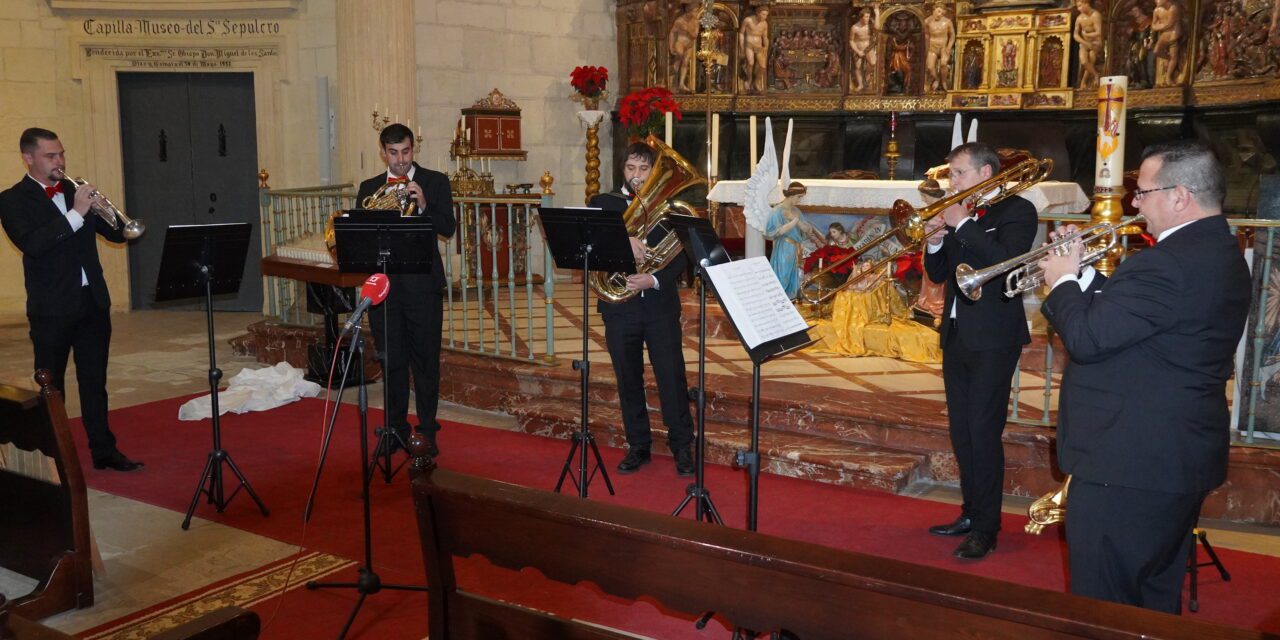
1109, 162
667, 118
715, 145
754, 151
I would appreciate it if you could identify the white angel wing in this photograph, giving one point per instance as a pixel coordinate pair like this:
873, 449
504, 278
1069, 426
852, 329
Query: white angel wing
784, 181
755, 200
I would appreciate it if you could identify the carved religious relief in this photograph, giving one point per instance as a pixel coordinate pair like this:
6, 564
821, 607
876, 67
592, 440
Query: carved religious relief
753, 50
1132, 41
1236, 41
972, 65
903, 37
864, 55
1050, 63
723, 55
1088, 35
1170, 42
807, 52
682, 49
940, 42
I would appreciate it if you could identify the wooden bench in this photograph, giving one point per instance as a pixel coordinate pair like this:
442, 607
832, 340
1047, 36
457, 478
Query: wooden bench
44, 510
754, 581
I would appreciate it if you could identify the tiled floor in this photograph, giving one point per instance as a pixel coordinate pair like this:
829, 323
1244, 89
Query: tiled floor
158, 355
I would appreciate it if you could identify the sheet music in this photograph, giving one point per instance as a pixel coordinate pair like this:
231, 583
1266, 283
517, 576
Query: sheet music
755, 300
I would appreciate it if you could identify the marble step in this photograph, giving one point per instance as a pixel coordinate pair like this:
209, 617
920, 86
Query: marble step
808, 456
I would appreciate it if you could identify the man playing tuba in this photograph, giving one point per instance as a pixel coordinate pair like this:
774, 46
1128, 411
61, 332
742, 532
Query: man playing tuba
651, 318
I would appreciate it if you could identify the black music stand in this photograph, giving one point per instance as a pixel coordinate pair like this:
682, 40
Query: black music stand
372, 242
760, 354
703, 248
207, 260
589, 240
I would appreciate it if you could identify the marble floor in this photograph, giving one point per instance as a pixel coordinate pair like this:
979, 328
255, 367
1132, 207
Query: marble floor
163, 354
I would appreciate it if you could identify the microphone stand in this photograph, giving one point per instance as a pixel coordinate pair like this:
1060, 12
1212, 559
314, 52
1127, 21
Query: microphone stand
368, 582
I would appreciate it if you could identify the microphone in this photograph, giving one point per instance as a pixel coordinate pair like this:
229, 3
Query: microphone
373, 292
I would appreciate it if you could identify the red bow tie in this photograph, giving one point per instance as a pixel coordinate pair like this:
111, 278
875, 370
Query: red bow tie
54, 190
394, 180
980, 212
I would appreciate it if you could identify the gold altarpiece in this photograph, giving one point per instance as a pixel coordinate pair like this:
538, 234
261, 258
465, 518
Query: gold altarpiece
826, 55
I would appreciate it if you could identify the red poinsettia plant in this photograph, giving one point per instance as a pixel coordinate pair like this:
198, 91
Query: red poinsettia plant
589, 82
642, 111
828, 255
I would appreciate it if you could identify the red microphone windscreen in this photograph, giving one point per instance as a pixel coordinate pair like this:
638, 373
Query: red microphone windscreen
376, 288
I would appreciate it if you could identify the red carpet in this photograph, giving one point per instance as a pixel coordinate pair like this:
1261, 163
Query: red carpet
278, 451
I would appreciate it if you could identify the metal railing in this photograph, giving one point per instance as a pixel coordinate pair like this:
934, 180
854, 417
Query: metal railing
501, 287
1255, 337
287, 215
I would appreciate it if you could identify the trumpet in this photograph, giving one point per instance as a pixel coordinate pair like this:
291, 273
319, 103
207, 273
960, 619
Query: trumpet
106, 210
1023, 273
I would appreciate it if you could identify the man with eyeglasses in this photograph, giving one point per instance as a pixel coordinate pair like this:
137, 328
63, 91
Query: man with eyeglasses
1143, 420
981, 341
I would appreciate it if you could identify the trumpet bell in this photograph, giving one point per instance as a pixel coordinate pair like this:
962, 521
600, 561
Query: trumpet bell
969, 281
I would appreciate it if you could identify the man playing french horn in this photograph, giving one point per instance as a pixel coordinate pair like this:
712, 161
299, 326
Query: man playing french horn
981, 341
652, 319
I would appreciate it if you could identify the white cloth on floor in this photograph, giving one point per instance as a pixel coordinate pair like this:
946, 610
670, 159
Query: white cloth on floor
254, 390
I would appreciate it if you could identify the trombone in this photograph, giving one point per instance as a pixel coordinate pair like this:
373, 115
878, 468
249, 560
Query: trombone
108, 211
1023, 273
908, 224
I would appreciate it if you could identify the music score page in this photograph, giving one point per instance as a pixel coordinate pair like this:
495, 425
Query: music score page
755, 301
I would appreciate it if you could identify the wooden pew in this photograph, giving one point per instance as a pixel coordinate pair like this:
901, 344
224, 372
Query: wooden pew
44, 521
755, 581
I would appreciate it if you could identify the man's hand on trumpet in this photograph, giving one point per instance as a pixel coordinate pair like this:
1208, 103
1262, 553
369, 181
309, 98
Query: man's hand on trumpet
1064, 261
86, 196
415, 190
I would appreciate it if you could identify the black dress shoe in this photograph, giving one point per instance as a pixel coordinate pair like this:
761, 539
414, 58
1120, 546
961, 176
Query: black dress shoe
116, 461
635, 458
684, 461
976, 546
433, 449
958, 527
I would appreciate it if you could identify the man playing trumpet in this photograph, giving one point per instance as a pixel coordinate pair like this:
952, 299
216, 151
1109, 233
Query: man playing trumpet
1144, 456
51, 222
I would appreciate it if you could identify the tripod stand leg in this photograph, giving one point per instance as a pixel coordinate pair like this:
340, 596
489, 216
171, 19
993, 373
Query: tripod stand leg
208, 465
604, 473
244, 482
352, 618
568, 461
1213, 555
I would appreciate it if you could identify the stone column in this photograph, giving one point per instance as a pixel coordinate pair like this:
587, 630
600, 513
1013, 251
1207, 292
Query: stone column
377, 66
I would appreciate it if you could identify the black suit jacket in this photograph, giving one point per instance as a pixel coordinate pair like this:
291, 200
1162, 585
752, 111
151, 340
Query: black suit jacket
994, 321
666, 299
1144, 399
436, 190
52, 254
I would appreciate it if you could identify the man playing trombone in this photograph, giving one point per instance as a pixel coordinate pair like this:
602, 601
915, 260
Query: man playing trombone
1143, 420
981, 340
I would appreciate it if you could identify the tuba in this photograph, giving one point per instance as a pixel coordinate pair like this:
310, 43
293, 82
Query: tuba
1051, 508
908, 224
109, 212
671, 174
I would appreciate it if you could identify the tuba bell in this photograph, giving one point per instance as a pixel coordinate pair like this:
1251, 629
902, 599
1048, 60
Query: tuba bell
1051, 508
671, 174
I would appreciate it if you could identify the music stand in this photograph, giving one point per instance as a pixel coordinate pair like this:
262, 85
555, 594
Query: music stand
760, 353
207, 260
378, 242
587, 240
703, 248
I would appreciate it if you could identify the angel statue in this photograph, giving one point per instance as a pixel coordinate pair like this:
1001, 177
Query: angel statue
793, 238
